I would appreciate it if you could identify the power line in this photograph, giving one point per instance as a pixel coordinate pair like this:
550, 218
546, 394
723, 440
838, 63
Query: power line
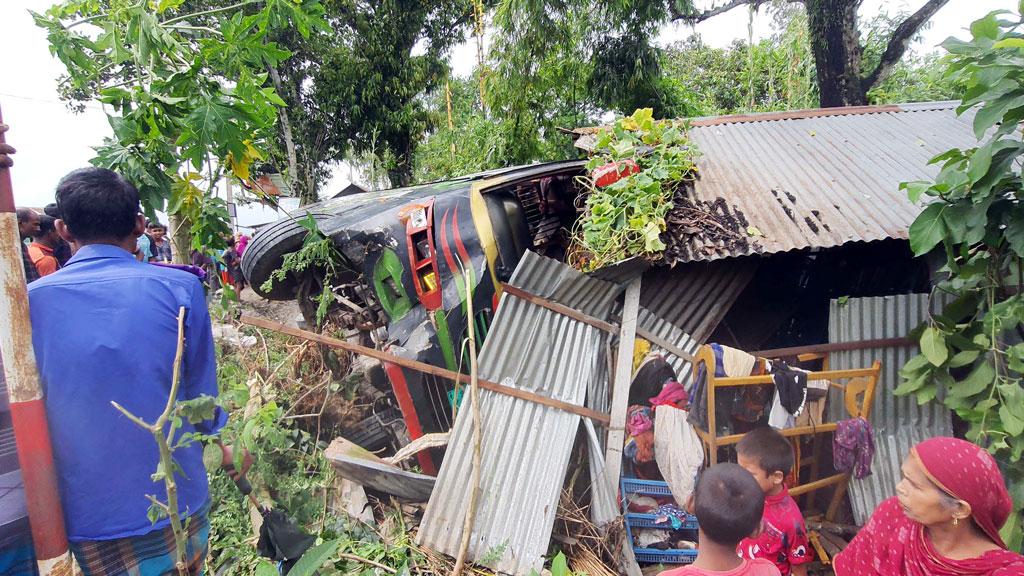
62, 104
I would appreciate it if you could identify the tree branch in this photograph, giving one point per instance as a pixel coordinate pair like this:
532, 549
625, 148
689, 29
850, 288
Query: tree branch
901, 38
696, 17
208, 12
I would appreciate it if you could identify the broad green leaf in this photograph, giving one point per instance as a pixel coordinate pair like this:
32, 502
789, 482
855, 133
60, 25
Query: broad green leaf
314, 558
964, 358
928, 229
978, 380
927, 394
1014, 232
1011, 423
933, 346
265, 568
979, 163
915, 189
212, 456
911, 385
1009, 43
987, 27
559, 565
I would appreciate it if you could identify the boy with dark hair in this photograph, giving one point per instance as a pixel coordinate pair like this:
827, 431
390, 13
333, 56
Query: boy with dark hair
41, 251
28, 226
87, 332
728, 504
768, 456
160, 245
62, 252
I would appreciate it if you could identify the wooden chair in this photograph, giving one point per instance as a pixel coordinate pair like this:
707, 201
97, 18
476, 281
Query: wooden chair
858, 390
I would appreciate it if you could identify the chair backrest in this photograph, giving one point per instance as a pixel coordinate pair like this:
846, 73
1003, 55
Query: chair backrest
856, 396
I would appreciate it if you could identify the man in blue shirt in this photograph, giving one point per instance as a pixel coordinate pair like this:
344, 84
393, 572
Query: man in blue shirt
104, 329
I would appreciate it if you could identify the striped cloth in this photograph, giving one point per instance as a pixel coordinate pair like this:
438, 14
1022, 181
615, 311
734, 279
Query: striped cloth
17, 556
151, 554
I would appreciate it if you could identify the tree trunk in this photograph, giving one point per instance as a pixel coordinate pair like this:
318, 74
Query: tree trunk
306, 195
181, 238
400, 176
835, 42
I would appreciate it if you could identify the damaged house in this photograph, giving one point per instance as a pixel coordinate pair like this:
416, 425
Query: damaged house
812, 264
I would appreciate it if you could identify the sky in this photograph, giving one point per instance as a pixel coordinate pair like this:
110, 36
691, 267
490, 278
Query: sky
51, 140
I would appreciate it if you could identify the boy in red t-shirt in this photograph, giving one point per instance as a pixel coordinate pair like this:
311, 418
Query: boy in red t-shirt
728, 504
767, 455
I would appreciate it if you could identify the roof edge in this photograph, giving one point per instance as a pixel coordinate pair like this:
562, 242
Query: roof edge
801, 114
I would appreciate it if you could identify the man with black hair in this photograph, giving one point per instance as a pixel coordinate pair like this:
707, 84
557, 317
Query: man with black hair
28, 226
62, 251
41, 251
728, 504
89, 323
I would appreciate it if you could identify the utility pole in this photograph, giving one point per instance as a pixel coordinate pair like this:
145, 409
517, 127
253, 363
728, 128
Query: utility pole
28, 411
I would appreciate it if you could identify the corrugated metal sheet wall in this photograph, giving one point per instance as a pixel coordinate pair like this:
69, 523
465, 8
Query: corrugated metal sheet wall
898, 422
526, 446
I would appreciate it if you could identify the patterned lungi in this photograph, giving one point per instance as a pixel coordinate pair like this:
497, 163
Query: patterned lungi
151, 554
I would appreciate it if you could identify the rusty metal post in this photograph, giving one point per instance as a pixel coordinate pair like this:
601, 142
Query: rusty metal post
28, 412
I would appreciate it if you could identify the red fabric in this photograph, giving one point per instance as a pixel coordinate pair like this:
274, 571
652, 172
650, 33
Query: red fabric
672, 394
783, 538
968, 472
644, 446
891, 544
748, 568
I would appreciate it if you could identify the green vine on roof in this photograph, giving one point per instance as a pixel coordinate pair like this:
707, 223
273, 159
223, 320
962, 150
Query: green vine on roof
627, 217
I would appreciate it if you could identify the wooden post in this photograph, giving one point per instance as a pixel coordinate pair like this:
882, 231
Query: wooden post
28, 412
620, 386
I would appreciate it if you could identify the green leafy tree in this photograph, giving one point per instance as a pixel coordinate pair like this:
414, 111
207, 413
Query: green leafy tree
834, 37
776, 73
385, 56
188, 92
972, 353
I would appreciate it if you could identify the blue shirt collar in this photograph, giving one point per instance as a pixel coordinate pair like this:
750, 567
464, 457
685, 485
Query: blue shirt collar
97, 251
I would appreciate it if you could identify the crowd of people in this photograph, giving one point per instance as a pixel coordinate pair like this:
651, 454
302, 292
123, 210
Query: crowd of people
44, 251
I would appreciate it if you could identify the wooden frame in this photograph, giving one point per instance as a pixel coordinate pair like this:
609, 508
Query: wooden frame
861, 383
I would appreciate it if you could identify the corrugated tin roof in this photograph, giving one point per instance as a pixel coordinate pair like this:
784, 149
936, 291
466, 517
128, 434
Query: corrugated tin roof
898, 421
820, 178
525, 446
685, 304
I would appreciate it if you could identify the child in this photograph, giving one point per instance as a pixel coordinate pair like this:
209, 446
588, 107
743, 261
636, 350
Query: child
728, 504
767, 455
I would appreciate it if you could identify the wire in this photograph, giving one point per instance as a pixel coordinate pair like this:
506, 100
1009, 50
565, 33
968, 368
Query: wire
46, 101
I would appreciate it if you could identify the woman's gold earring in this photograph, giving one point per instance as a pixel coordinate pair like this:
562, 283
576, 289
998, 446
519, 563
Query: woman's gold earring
955, 520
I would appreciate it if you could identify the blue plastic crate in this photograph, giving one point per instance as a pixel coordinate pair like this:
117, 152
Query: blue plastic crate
644, 487
655, 556
636, 520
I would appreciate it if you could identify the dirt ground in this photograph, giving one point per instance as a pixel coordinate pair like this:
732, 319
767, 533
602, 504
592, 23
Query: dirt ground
286, 312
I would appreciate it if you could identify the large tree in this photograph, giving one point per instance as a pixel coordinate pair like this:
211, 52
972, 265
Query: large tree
835, 43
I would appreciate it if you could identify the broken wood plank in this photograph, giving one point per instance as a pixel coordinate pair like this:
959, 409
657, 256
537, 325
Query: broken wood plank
353, 462
620, 386
258, 322
559, 308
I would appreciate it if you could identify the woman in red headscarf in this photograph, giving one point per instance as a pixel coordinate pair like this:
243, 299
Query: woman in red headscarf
944, 520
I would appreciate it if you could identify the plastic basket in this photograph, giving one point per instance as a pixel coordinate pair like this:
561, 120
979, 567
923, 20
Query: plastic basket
644, 487
637, 520
655, 556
